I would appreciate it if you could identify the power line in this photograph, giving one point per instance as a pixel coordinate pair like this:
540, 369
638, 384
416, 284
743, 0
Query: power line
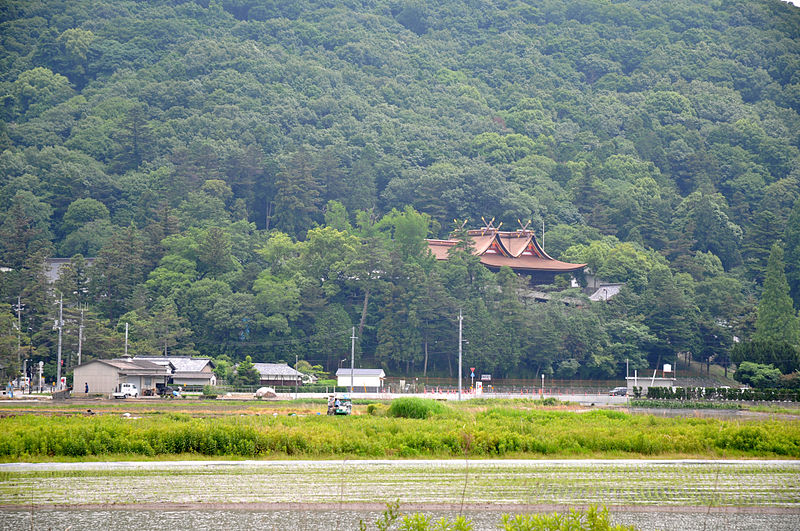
295, 341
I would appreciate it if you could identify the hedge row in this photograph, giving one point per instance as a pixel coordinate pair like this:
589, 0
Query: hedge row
722, 393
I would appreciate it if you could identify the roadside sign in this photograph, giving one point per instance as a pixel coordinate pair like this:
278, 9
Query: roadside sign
486, 377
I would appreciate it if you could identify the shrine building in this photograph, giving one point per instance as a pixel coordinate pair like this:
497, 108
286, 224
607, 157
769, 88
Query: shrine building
518, 250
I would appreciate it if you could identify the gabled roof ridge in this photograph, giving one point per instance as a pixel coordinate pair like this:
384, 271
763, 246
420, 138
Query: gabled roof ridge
528, 236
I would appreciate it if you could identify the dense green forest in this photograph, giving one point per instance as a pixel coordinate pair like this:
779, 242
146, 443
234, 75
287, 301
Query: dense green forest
256, 177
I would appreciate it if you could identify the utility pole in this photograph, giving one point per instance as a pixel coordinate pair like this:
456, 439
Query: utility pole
19, 329
126, 340
352, 361
60, 328
80, 337
296, 376
460, 319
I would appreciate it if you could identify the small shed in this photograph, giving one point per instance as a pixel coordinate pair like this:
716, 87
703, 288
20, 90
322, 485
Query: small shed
105, 376
278, 374
187, 370
366, 380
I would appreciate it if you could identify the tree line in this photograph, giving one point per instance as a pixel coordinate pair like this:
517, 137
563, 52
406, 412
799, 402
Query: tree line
241, 170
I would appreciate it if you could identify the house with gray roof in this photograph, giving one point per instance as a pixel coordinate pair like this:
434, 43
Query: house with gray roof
186, 370
279, 374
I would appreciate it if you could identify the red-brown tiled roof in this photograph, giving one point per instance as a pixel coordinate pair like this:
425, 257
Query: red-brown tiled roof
518, 250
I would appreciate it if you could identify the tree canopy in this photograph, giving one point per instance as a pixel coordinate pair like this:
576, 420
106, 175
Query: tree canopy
255, 178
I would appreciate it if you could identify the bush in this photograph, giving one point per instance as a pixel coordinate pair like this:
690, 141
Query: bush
790, 381
377, 410
414, 408
723, 393
757, 374
593, 519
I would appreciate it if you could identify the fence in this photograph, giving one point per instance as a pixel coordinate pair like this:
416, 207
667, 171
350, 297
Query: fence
503, 386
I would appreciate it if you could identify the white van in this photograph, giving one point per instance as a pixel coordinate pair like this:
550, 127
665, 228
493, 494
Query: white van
126, 390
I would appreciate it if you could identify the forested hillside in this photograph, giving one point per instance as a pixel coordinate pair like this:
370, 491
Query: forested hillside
256, 177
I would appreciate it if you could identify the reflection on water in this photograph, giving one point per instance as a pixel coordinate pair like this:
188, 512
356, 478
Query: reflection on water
76, 520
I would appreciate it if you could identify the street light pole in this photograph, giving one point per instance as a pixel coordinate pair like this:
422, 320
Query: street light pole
19, 329
80, 338
352, 361
60, 327
460, 319
542, 385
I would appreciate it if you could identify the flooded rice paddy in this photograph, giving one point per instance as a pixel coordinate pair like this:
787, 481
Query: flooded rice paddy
680, 494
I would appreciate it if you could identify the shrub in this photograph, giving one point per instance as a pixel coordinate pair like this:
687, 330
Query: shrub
414, 408
593, 519
377, 410
757, 375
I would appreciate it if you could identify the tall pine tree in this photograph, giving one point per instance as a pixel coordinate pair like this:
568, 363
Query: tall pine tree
776, 321
791, 238
297, 195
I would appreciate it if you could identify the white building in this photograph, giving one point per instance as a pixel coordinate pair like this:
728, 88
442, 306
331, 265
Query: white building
363, 380
105, 376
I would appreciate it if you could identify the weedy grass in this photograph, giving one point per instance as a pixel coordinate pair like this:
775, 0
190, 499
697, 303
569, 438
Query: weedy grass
434, 430
415, 408
775, 409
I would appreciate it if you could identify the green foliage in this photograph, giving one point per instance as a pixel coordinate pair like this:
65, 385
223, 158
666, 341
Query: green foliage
387, 518
777, 320
247, 374
791, 238
593, 519
757, 375
421, 522
710, 393
414, 408
377, 410
782, 355
499, 432
647, 145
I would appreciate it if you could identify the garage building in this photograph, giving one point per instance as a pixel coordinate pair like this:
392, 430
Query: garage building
105, 376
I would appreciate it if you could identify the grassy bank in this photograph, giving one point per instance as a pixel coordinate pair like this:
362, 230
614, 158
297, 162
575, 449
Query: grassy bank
500, 431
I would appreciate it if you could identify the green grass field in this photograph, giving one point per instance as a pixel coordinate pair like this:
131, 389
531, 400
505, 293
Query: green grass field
479, 430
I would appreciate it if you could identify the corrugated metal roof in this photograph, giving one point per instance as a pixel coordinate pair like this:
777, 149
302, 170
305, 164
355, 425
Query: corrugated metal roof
361, 372
195, 375
131, 366
181, 363
604, 293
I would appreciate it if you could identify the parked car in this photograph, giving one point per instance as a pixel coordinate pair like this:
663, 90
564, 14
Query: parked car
618, 391
127, 389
